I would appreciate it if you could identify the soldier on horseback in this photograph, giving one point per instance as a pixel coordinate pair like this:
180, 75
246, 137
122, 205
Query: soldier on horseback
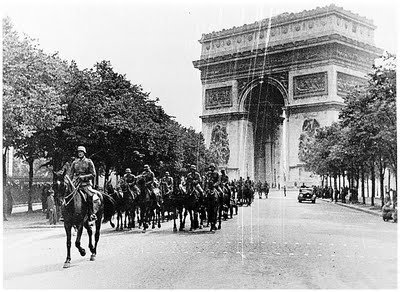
193, 180
225, 181
148, 176
83, 172
168, 182
213, 179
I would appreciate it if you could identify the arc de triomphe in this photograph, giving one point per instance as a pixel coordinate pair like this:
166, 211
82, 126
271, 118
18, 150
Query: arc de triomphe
266, 83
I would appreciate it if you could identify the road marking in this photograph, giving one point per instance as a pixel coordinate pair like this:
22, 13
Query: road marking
331, 244
278, 253
291, 254
285, 242
199, 252
186, 252
238, 252
251, 252
344, 244
320, 255
297, 243
264, 252
306, 254
225, 252
160, 252
211, 252
274, 242
320, 243
308, 243
362, 257
332, 255
262, 242
228, 242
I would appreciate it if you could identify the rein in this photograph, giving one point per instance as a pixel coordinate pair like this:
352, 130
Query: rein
73, 193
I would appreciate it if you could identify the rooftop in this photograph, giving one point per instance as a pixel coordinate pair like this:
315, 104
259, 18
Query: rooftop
290, 17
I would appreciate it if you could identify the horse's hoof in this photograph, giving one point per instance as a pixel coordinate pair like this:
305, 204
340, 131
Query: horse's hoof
175, 229
201, 227
219, 227
92, 257
159, 225
82, 252
144, 231
112, 225
66, 265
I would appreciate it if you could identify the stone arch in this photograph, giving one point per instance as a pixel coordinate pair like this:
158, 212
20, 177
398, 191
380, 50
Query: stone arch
254, 83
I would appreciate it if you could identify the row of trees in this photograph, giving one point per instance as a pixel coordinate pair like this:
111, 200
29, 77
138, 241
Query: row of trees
362, 144
50, 107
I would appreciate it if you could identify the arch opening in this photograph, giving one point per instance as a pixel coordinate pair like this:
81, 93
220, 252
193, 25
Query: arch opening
265, 106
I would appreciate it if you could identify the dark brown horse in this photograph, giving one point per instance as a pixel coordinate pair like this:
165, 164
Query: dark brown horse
75, 214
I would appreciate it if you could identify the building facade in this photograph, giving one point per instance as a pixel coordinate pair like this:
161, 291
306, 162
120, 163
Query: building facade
266, 83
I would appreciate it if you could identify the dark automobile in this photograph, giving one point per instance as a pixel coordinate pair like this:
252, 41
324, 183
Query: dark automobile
306, 194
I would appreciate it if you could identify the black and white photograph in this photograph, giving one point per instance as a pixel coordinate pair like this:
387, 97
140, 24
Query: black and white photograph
199, 144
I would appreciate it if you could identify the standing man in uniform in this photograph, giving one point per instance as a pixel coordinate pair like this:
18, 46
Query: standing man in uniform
83, 172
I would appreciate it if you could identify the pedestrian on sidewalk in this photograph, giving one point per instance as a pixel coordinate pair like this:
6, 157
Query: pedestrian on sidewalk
336, 193
51, 207
284, 190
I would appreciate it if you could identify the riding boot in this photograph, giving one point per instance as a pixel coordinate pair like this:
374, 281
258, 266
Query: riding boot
92, 216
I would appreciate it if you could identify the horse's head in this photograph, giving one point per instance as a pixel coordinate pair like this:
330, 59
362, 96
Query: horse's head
62, 185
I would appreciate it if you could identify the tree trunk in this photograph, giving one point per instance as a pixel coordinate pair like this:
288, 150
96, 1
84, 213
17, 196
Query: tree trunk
5, 201
30, 162
335, 182
373, 185
106, 175
381, 182
362, 185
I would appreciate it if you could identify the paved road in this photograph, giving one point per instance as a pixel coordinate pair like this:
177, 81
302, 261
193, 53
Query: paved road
276, 243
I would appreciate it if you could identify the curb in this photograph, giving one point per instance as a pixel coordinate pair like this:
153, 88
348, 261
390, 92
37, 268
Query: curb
355, 208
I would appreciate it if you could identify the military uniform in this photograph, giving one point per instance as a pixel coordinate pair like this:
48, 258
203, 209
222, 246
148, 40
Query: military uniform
213, 180
148, 176
193, 181
168, 181
83, 169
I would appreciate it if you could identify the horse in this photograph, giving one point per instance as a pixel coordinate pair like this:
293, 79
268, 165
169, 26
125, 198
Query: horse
75, 214
248, 193
146, 203
212, 203
126, 203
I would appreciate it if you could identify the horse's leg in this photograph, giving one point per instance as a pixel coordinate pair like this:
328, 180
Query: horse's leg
219, 216
67, 262
159, 218
96, 239
78, 240
90, 233
175, 229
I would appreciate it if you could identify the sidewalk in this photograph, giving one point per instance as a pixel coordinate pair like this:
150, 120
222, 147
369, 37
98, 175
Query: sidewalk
20, 219
367, 208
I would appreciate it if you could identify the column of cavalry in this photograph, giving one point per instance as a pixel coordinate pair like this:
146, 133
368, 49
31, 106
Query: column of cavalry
207, 199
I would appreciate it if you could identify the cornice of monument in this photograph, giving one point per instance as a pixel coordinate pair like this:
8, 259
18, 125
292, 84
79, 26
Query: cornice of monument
288, 46
287, 18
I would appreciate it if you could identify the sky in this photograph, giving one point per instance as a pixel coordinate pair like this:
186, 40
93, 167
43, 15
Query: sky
154, 42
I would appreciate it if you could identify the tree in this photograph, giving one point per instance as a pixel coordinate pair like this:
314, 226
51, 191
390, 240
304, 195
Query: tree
31, 96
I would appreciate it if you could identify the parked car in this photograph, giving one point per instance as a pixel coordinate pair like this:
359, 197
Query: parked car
306, 194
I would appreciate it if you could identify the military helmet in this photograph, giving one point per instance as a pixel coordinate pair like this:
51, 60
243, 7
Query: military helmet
222, 170
146, 166
212, 165
193, 167
166, 173
128, 170
82, 148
